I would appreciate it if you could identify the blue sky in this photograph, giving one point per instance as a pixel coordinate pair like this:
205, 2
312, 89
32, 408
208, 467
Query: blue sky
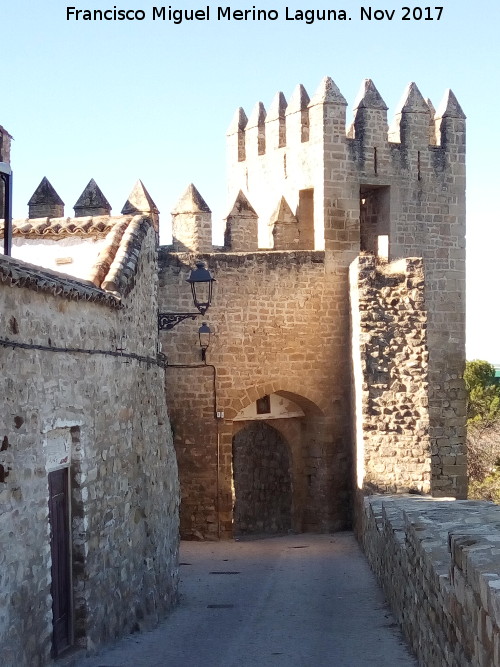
118, 101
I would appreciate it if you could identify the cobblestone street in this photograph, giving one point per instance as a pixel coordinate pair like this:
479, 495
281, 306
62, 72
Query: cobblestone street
303, 600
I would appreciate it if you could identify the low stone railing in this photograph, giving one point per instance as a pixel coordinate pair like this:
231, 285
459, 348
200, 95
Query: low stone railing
439, 564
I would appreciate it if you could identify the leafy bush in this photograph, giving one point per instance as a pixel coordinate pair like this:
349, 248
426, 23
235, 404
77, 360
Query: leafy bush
483, 445
486, 489
483, 395
483, 431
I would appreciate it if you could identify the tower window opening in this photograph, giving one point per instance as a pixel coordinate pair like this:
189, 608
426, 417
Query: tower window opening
374, 220
304, 131
305, 216
264, 405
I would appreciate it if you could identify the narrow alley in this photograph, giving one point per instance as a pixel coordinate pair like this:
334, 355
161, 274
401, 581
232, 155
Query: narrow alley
298, 600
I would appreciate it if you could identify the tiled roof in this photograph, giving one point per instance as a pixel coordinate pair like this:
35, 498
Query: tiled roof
121, 275
113, 272
88, 227
114, 269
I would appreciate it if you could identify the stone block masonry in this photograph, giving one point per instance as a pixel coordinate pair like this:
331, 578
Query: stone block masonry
279, 322
371, 402
314, 185
321, 194
439, 566
365, 186
104, 419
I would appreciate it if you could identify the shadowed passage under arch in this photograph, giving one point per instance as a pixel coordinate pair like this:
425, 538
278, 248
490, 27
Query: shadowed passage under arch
262, 481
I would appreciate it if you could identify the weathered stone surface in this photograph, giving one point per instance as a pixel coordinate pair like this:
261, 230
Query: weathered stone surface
189, 237
240, 234
271, 320
280, 326
45, 202
413, 188
262, 480
328, 93
412, 101
124, 488
369, 97
92, 202
140, 201
391, 382
285, 227
449, 107
281, 321
439, 565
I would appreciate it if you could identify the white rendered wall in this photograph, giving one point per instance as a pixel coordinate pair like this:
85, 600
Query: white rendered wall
73, 256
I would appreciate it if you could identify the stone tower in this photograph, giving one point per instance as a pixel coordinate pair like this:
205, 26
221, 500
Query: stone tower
398, 192
342, 330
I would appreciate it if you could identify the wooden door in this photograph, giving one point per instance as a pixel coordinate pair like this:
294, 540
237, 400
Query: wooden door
61, 560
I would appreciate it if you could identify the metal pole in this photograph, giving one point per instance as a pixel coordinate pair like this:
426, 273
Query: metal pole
6, 175
7, 234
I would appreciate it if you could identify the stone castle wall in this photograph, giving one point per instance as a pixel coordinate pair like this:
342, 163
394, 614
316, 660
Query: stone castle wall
278, 322
124, 488
405, 184
438, 564
391, 378
320, 195
280, 325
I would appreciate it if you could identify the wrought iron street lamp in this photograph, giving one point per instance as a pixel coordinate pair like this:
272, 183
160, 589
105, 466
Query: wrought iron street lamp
201, 282
6, 177
204, 333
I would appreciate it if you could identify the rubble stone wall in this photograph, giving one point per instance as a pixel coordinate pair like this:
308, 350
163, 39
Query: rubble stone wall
123, 472
438, 564
391, 387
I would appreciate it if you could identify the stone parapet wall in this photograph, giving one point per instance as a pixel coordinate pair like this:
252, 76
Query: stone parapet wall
122, 467
438, 563
390, 375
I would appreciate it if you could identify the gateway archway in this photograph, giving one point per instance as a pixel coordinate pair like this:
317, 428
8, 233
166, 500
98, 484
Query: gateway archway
262, 481
281, 469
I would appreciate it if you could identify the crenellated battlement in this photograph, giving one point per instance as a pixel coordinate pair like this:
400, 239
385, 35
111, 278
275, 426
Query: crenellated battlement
286, 124
303, 148
338, 188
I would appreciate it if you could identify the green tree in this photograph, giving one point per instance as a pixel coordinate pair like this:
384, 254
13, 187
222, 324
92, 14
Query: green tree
483, 431
483, 395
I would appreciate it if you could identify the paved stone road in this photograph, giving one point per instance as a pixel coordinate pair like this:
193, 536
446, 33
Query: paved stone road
300, 600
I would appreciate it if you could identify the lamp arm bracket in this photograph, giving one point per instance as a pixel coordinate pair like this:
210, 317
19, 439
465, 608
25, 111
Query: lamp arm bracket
168, 321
